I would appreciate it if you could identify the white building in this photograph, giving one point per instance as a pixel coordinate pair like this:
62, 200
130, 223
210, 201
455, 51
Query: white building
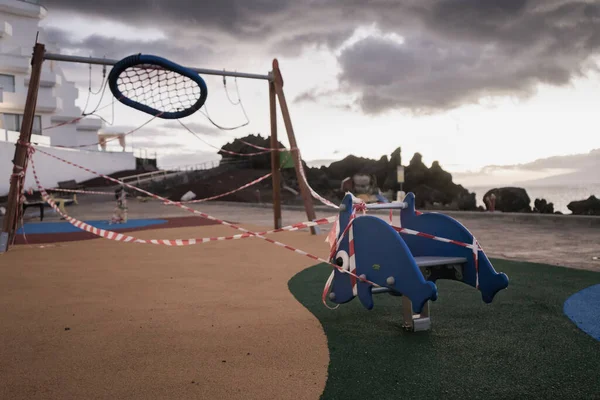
19, 25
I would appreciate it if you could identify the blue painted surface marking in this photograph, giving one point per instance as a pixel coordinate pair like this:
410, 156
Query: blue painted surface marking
65, 227
583, 308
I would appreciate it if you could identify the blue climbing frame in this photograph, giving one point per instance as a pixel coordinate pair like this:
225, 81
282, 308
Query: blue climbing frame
406, 264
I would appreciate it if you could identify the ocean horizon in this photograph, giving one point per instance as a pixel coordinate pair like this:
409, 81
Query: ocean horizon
559, 195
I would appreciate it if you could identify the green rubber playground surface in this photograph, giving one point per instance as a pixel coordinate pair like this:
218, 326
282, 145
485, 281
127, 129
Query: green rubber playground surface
519, 346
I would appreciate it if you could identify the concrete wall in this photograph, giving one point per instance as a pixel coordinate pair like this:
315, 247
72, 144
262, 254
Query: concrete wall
51, 171
13, 136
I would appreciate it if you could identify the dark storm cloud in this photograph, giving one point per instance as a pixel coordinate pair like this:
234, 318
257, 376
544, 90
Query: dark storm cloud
238, 16
292, 44
307, 96
182, 51
455, 51
470, 50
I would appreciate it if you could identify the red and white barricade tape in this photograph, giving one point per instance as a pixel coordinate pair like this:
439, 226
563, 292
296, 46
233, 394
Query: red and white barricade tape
335, 243
191, 210
167, 242
398, 229
115, 138
302, 173
126, 238
74, 120
312, 191
220, 148
169, 202
266, 150
475, 246
254, 182
233, 153
282, 149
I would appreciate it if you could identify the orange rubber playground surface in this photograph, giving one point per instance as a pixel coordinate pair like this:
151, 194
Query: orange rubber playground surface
91, 318
103, 319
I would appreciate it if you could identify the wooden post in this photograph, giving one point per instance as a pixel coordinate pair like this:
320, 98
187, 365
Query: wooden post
278, 84
275, 158
21, 154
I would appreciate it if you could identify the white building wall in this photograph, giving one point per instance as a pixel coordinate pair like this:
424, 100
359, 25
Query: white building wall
19, 23
51, 171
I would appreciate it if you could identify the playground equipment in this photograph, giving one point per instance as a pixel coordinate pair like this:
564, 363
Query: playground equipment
407, 260
157, 86
166, 90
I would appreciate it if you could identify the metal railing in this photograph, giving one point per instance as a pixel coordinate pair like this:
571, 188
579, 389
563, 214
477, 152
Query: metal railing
36, 2
169, 172
194, 167
151, 176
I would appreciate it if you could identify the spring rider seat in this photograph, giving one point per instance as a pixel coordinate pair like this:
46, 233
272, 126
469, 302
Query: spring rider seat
406, 260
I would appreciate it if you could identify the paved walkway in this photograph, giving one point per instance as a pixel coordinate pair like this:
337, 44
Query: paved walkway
556, 244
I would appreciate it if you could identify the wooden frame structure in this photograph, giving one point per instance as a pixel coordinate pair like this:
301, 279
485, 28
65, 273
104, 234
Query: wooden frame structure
275, 81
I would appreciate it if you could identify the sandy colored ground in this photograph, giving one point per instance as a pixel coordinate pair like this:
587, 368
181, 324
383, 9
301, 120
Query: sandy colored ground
212, 321
208, 321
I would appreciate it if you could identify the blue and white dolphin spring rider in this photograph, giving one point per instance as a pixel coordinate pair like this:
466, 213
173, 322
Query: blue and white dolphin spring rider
406, 260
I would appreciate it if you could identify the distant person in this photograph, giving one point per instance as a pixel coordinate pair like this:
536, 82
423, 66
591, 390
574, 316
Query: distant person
120, 212
492, 202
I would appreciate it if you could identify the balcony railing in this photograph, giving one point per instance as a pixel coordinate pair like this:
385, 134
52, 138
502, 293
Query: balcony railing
13, 137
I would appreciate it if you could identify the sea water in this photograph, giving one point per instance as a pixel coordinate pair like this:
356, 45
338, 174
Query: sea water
560, 196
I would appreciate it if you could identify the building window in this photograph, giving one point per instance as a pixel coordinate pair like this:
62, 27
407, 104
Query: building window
7, 83
13, 123
37, 125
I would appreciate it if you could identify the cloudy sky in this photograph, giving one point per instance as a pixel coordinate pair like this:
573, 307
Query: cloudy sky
467, 82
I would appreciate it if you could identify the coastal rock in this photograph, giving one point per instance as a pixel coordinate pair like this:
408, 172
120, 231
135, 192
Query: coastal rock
426, 196
543, 207
390, 182
433, 187
590, 206
262, 161
467, 202
510, 199
352, 165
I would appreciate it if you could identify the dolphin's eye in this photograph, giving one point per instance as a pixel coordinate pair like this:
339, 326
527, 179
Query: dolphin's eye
341, 259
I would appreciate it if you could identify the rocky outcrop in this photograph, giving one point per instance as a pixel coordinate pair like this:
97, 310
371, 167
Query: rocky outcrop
590, 206
543, 207
262, 161
433, 187
510, 199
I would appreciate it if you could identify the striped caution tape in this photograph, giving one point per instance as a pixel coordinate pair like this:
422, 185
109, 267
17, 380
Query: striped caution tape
254, 182
115, 138
281, 149
126, 238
